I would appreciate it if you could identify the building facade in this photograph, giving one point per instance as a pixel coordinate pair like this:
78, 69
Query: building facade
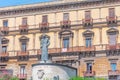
83, 34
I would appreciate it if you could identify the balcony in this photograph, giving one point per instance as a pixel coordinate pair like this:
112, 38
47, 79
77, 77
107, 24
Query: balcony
44, 27
87, 23
111, 21
89, 73
65, 24
23, 29
22, 76
23, 56
113, 73
4, 54
4, 57
4, 30
91, 48
112, 47
22, 53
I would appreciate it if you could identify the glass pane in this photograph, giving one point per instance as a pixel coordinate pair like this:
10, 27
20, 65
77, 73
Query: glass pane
66, 16
4, 48
89, 66
24, 46
44, 19
87, 15
111, 12
66, 42
88, 42
112, 39
22, 69
24, 21
113, 66
5, 23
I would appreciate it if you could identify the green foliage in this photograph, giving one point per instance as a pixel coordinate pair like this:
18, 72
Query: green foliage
7, 77
86, 78
14, 78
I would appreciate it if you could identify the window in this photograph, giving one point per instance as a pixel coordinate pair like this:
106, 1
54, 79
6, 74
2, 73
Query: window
24, 46
88, 41
113, 66
44, 19
66, 16
24, 21
112, 39
89, 67
65, 42
22, 69
87, 15
111, 12
5, 23
4, 49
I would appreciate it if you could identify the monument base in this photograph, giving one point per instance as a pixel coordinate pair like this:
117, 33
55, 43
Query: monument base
49, 61
51, 71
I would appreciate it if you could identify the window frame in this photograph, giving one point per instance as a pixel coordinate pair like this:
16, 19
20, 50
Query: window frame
24, 21
5, 23
66, 16
45, 19
87, 15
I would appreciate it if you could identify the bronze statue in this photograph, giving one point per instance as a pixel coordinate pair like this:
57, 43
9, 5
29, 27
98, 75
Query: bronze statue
44, 47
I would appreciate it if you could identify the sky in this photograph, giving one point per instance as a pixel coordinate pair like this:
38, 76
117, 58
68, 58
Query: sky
5, 3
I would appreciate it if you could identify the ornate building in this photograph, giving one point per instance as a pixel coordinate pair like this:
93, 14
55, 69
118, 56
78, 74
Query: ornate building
83, 34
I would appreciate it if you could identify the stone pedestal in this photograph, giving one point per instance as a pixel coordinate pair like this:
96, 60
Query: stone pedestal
51, 71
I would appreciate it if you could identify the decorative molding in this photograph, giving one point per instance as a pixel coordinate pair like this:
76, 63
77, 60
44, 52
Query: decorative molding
112, 31
52, 7
23, 38
66, 33
5, 41
88, 33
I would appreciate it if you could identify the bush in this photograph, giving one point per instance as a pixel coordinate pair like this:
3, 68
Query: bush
14, 78
86, 78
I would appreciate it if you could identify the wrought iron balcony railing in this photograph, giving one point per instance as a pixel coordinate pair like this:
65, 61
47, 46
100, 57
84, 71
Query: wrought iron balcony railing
113, 73
87, 23
89, 73
22, 76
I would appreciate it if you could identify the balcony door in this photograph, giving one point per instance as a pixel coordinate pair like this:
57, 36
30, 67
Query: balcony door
24, 46
22, 70
65, 42
112, 39
4, 49
88, 41
113, 66
89, 67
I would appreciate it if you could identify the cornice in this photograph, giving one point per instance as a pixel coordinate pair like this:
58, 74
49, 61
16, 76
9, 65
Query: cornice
52, 6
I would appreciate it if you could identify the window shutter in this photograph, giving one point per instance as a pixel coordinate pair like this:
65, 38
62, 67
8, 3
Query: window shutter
44, 19
113, 66
112, 39
87, 15
5, 23
111, 12
66, 16
24, 21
